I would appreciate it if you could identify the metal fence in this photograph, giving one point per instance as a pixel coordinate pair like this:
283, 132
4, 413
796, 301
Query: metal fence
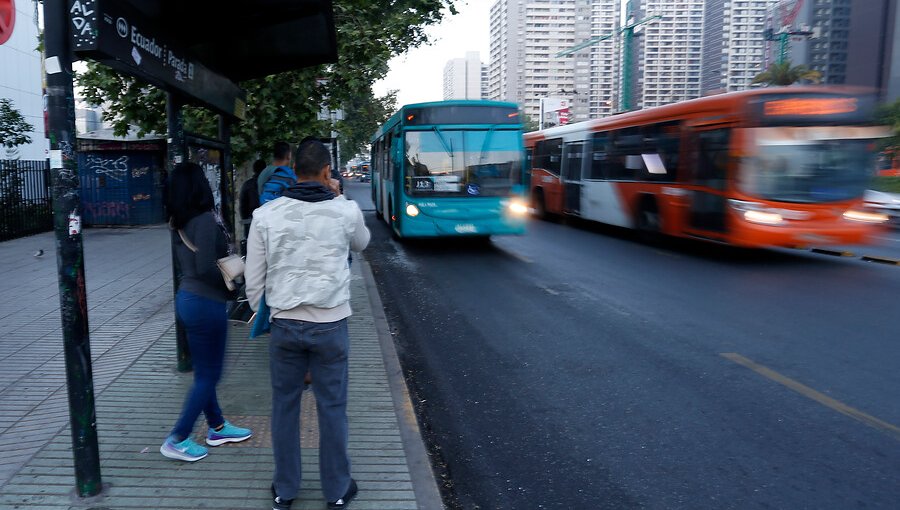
25, 198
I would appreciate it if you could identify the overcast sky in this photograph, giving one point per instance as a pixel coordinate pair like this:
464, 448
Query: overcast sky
418, 74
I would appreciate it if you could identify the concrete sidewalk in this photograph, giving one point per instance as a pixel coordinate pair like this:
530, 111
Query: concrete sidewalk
139, 393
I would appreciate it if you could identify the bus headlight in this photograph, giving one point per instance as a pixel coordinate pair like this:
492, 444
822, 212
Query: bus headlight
411, 210
517, 207
865, 217
756, 213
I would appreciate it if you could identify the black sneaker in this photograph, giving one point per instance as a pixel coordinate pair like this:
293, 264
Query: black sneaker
344, 501
279, 503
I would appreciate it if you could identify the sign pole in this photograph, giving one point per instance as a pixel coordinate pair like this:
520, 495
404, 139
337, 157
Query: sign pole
69, 247
227, 178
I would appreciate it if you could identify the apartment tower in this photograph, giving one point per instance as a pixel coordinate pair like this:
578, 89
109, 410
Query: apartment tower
463, 77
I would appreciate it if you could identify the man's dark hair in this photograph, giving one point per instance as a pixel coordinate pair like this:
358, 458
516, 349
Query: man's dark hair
311, 157
258, 166
281, 150
188, 194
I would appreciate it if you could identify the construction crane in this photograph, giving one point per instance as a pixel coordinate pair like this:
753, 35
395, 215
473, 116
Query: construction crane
628, 30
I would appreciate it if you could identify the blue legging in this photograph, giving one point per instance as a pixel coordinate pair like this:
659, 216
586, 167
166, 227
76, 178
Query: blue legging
206, 324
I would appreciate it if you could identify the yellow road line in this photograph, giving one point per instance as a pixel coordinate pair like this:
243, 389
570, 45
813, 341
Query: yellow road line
806, 391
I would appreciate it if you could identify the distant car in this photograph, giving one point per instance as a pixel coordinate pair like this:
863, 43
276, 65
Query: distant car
884, 202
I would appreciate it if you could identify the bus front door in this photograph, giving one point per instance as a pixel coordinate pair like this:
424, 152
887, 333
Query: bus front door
707, 210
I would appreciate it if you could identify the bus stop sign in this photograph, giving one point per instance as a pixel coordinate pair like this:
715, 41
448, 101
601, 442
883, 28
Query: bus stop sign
115, 34
7, 19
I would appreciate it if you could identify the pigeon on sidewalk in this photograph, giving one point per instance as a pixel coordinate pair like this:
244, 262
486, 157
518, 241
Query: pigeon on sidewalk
38, 253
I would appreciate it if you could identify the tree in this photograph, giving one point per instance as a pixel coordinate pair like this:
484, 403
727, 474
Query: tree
889, 115
14, 128
284, 106
529, 124
782, 73
362, 115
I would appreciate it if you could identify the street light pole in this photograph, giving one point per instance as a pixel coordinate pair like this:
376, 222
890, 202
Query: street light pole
541, 118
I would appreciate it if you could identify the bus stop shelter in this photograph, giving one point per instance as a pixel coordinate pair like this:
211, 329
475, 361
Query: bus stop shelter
198, 51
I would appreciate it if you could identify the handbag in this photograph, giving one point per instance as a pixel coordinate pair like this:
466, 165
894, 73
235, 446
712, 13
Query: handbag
231, 266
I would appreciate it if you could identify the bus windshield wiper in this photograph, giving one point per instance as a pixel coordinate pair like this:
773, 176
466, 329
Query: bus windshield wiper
447, 148
487, 140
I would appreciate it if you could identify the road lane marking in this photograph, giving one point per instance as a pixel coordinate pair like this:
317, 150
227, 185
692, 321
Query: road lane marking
882, 260
806, 391
834, 253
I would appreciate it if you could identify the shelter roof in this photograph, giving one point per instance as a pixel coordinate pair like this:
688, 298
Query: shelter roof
248, 38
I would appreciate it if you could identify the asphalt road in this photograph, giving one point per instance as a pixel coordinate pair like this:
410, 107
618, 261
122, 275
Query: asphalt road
575, 367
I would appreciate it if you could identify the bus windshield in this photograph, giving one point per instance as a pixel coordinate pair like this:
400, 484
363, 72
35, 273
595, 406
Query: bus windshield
485, 162
809, 165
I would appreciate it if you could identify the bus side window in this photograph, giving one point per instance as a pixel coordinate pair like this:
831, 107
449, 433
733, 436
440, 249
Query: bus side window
660, 152
391, 143
599, 159
573, 154
547, 155
376, 157
555, 154
625, 162
712, 158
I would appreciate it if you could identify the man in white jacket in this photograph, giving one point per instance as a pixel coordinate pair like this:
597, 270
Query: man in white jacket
297, 255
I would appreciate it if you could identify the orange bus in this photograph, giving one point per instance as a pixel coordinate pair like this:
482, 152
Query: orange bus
766, 167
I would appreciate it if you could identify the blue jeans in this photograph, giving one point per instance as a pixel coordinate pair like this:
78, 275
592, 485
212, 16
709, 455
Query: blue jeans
322, 348
206, 324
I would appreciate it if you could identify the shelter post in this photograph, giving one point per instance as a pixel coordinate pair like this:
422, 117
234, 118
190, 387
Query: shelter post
177, 152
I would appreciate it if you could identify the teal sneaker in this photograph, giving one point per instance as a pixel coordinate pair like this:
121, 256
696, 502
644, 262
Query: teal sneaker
186, 450
228, 434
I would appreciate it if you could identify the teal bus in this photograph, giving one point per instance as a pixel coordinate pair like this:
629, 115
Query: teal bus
451, 168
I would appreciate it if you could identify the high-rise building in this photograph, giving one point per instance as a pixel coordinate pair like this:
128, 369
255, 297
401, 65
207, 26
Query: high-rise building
814, 33
463, 77
873, 51
526, 36
733, 43
507, 59
20, 80
603, 60
670, 51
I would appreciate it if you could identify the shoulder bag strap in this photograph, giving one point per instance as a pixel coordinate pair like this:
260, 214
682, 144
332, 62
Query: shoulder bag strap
186, 241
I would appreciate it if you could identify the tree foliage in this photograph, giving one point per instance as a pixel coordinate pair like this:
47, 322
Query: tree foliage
889, 115
284, 106
356, 130
14, 128
783, 73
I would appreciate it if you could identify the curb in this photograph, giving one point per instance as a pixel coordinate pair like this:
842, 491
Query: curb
428, 496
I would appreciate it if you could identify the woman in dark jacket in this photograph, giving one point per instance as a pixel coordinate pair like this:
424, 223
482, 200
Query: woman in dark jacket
200, 305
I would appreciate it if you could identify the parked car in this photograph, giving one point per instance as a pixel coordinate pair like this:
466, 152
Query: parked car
884, 202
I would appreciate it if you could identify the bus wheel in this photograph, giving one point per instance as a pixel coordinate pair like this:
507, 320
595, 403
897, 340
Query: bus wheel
540, 207
390, 222
648, 222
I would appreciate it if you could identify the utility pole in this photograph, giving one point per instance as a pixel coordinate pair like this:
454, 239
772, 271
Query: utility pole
69, 246
627, 40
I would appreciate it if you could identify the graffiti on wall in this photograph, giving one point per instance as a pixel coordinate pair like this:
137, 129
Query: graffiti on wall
109, 210
113, 168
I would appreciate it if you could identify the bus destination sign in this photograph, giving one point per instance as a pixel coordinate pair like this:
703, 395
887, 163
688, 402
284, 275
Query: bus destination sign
113, 33
806, 108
